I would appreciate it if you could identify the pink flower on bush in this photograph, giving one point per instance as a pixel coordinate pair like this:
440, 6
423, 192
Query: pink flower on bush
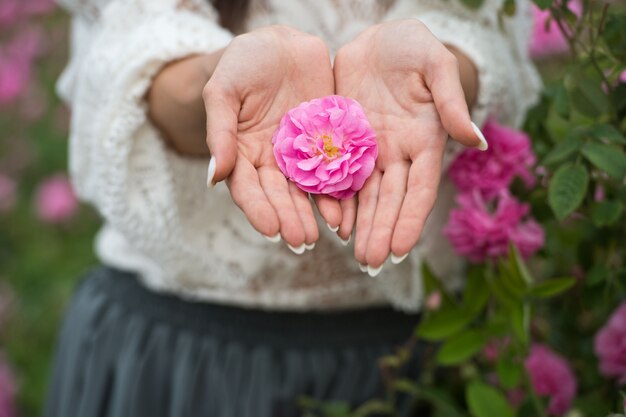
548, 40
7, 193
479, 233
326, 146
610, 346
509, 155
55, 200
13, 11
551, 376
16, 64
8, 389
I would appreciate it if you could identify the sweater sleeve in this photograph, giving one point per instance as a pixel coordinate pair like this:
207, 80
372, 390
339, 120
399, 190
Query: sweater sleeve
118, 160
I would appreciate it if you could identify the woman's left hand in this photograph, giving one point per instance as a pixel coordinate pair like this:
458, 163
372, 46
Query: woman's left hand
410, 87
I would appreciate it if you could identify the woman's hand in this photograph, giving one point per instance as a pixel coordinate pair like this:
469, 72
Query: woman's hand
260, 76
410, 87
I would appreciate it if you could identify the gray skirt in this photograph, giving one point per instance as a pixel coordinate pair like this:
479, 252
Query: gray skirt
125, 351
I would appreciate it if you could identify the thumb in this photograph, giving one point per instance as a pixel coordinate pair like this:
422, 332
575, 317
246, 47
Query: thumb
222, 115
445, 86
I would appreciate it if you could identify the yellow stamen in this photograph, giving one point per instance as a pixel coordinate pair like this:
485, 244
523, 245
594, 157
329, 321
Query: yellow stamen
330, 149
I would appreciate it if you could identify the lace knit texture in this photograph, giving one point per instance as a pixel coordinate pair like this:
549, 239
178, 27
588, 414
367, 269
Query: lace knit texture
160, 219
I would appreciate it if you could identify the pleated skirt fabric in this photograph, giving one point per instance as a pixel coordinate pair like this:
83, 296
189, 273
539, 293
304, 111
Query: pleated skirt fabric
125, 351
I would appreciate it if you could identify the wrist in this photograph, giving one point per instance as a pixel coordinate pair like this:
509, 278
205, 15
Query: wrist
468, 74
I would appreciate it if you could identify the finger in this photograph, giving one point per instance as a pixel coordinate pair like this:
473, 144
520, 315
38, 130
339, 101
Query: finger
423, 182
368, 197
246, 192
444, 82
390, 198
330, 210
276, 189
222, 112
305, 211
348, 213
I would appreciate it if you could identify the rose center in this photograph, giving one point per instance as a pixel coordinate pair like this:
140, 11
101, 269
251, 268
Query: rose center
330, 149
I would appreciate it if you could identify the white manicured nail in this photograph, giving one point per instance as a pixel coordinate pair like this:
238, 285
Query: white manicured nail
332, 229
374, 271
483, 145
210, 173
362, 267
273, 239
397, 259
345, 242
299, 250
310, 247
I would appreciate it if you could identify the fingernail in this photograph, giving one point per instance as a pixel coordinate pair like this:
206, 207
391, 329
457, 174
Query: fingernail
397, 259
210, 173
299, 250
310, 247
374, 271
483, 145
332, 229
362, 267
345, 242
273, 239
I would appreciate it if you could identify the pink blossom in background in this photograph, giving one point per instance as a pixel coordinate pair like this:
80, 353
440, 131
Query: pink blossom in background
622, 77
610, 346
15, 11
9, 12
8, 389
547, 41
16, 63
551, 376
55, 199
8, 196
326, 146
509, 155
479, 233
433, 301
494, 348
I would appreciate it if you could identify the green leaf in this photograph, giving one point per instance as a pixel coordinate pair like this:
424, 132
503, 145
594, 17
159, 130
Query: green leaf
509, 372
461, 347
608, 133
563, 150
615, 35
473, 4
606, 213
597, 275
561, 101
552, 287
520, 320
609, 159
543, 4
476, 291
486, 401
432, 283
443, 324
588, 98
509, 7
567, 189
518, 266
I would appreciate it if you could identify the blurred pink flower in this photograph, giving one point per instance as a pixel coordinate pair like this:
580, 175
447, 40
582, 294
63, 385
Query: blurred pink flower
622, 77
433, 302
36, 7
56, 201
509, 155
326, 146
8, 195
9, 12
548, 40
610, 345
8, 389
551, 376
479, 233
492, 350
16, 63
14, 11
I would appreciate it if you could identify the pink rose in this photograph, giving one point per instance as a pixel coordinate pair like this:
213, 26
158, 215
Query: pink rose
55, 199
548, 40
16, 63
509, 155
8, 389
8, 196
326, 146
479, 233
551, 375
610, 346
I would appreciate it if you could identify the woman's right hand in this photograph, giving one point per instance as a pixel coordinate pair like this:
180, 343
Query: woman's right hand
261, 75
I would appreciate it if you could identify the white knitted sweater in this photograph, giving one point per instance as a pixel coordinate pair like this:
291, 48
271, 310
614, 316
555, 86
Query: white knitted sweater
160, 219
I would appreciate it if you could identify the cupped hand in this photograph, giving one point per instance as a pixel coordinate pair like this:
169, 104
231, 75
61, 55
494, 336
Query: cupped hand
409, 85
260, 76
